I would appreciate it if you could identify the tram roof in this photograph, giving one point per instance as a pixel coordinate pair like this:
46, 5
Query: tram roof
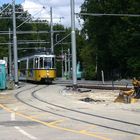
37, 55
43, 55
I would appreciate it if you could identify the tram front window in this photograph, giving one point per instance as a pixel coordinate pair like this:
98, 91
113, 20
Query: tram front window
47, 63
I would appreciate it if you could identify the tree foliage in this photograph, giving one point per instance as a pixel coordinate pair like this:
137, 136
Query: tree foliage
114, 40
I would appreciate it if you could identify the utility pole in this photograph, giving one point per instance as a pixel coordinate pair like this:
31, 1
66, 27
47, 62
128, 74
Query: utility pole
66, 71
10, 55
15, 45
51, 23
73, 38
69, 62
62, 62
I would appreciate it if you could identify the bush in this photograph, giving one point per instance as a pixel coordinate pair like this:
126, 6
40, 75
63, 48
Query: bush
89, 72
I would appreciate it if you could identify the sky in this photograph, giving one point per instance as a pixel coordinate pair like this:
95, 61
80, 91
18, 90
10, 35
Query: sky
40, 9
61, 10
10, 1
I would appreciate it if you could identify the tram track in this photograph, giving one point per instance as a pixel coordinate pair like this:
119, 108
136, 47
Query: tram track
34, 95
81, 112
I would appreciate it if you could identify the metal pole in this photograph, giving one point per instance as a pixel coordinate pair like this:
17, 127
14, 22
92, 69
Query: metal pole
10, 55
73, 38
69, 62
66, 71
51, 22
102, 74
62, 63
15, 45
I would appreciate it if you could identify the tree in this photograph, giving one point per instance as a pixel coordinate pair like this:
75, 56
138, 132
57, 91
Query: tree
116, 40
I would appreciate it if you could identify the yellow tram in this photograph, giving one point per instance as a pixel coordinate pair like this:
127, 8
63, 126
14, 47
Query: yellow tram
39, 67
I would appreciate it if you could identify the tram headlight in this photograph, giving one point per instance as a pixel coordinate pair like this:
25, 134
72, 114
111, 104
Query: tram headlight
47, 73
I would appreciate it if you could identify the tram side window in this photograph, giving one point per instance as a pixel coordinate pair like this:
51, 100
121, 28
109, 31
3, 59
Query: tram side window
30, 63
41, 62
53, 62
22, 64
36, 60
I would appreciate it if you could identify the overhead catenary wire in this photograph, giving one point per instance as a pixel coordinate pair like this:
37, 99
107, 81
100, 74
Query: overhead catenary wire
5, 8
104, 14
28, 19
62, 39
30, 32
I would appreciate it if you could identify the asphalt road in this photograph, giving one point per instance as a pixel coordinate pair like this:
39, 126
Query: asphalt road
45, 113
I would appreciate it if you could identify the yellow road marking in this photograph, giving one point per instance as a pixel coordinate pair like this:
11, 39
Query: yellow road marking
55, 122
43, 114
53, 126
86, 130
105, 133
83, 131
39, 115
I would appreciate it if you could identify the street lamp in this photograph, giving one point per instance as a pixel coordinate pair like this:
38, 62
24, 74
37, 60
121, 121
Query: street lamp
56, 38
73, 38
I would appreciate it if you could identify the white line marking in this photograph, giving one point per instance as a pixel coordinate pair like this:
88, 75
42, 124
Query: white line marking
13, 115
25, 133
13, 118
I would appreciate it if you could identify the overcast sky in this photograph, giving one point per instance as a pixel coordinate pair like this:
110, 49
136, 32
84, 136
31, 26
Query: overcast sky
41, 9
61, 10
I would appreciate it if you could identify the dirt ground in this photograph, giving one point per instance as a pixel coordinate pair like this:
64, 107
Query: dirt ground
95, 96
104, 98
